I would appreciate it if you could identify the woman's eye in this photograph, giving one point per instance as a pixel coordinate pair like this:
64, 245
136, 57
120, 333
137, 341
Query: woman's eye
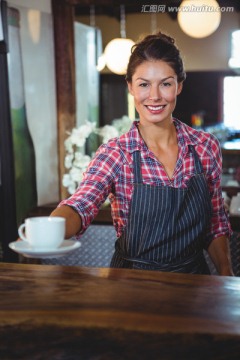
143, 84
166, 84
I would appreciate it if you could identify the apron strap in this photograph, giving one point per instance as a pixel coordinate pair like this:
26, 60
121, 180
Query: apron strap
137, 164
198, 164
137, 167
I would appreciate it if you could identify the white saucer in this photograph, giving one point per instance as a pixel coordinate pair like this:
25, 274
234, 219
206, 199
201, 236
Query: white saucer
24, 248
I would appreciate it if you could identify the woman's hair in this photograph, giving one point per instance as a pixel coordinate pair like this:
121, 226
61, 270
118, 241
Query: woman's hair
156, 47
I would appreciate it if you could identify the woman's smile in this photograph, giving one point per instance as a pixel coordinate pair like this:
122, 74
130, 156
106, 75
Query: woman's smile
155, 109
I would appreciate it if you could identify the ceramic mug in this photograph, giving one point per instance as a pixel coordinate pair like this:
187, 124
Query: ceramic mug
44, 233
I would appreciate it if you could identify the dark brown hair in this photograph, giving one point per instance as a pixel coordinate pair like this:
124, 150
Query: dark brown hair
156, 47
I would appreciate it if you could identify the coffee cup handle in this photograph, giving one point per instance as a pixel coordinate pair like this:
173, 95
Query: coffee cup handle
21, 232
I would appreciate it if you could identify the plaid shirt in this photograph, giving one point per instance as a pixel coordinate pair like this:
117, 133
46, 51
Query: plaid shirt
110, 173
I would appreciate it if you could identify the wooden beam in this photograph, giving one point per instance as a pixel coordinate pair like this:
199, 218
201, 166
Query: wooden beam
63, 19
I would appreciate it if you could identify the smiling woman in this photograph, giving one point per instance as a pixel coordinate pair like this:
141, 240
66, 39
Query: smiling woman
162, 177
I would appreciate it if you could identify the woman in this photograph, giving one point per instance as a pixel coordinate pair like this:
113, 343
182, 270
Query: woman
162, 177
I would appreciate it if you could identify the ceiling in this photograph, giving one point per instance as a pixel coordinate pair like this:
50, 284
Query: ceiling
112, 7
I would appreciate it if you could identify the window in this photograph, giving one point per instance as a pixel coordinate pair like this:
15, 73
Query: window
231, 102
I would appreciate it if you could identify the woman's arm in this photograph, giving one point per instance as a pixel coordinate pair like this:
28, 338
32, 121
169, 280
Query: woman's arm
73, 220
220, 229
220, 254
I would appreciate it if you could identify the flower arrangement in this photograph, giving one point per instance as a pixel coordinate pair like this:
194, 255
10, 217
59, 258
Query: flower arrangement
76, 160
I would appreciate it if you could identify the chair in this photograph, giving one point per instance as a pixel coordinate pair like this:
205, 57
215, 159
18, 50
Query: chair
96, 250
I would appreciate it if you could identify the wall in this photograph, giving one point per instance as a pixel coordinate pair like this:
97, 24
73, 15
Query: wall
41, 5
40, 93
210, 53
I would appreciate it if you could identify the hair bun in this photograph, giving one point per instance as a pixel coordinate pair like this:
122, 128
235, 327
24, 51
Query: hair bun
157, 46
165, 37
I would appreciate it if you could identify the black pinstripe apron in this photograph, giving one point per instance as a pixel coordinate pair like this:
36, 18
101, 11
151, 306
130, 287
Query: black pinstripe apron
167, 226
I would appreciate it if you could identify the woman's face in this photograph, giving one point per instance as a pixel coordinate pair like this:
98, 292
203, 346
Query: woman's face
154, 87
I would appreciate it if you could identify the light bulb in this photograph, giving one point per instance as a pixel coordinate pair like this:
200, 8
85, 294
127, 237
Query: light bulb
199, 19
117, 53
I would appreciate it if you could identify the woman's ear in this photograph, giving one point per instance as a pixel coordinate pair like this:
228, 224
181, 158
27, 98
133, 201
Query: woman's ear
180, 86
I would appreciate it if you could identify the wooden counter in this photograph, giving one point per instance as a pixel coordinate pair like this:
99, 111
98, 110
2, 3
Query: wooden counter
57, 312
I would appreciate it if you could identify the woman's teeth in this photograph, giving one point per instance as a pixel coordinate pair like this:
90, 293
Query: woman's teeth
155, 107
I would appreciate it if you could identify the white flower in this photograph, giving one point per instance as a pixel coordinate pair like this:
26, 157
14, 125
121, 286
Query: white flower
123, 124
76, 174
108, 132
79, 135
66, 180
81, 160
68, 161
68, 145
76, 162
72, 188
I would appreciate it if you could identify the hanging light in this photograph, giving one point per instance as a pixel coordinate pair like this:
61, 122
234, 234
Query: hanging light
199, 19
101, 63
234, 61
100, 55
118, 51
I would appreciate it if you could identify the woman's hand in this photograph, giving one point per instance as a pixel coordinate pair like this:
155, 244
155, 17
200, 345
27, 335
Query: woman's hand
73, 220
219, 252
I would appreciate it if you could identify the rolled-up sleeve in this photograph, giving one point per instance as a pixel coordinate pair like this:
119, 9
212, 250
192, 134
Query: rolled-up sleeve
220, 224
96, 185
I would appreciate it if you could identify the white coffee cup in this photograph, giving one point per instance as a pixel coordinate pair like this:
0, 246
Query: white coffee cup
44, 233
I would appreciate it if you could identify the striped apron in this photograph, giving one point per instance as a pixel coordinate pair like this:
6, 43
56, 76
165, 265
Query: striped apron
167, 226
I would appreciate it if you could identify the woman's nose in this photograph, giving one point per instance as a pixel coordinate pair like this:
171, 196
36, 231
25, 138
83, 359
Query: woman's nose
155, 93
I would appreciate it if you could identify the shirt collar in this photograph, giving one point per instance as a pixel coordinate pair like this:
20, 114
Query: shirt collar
188, 135
132, 140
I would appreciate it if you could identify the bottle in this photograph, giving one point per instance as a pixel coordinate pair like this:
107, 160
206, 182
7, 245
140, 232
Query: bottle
23, 149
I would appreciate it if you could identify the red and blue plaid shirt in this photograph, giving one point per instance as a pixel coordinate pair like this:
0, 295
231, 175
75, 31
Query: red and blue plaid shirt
110, 173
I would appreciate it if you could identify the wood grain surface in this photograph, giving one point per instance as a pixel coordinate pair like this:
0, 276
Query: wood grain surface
64, 312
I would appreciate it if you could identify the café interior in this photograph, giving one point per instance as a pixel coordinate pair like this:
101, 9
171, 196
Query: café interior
59, 77
56, 41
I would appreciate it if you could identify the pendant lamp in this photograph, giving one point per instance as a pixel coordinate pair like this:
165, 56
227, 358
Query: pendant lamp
118, 51
200, 18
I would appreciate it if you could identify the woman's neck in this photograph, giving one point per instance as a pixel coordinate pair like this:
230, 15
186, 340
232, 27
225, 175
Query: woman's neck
160, 135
